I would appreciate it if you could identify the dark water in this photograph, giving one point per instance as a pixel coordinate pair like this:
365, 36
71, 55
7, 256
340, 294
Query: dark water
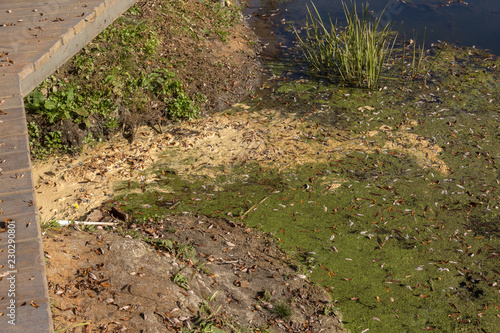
472, 23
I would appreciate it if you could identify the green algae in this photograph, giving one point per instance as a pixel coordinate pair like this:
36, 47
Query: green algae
408, 238
374, 241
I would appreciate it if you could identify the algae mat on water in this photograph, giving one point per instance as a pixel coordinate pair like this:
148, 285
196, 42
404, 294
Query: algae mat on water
388, 199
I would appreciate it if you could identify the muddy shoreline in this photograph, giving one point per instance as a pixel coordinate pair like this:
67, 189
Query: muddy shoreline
386, 199
179, 272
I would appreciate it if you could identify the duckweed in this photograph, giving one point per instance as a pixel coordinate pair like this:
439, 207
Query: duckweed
401, 224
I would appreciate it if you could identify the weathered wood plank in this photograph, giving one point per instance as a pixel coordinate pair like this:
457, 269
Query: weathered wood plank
11, 113
13, 126
27, 227
17, 204
12, 99
13, 144
17, 160
28, 254
104, 14
9, 90
15, 182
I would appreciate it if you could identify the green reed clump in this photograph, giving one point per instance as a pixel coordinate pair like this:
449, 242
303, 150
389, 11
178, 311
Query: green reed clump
356, 53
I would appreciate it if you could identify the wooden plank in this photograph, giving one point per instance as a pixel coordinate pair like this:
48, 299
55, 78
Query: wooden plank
9, 90
27, 314
37, 30
17, 204
30, 300
13, 126
29, 318
18, 68
13, 99
27, 276
25, 309
102, 19
26, 226
12, 113
28, 254
43, 5
40, 5
30, 40
14, 144
18, 160
36, 295
15, 182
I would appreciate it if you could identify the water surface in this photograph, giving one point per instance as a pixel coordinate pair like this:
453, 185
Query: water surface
473, 23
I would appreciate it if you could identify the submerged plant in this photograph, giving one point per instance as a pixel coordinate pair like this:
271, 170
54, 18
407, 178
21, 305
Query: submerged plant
356, 54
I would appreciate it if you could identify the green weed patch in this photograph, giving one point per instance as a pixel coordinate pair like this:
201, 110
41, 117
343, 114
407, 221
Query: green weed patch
124, 78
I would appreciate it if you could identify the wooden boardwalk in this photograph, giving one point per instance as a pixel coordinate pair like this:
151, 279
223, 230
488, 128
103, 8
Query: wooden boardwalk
36, 37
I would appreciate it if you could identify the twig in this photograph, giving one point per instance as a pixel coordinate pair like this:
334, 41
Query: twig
253, 207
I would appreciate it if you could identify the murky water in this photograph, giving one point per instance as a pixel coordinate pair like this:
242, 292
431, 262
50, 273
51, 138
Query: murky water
472, 23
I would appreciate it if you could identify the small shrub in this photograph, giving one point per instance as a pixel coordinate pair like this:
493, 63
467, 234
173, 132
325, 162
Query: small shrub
51, 224
44, 145
180, 251
164, 85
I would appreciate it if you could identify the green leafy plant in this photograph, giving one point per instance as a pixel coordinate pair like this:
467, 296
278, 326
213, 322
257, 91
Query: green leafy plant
44, 145
331, 309
134, 10
53, 139
163, 84
51, 224
34, 133
58, 104
180, 280
117, 80
209, 319
356, 53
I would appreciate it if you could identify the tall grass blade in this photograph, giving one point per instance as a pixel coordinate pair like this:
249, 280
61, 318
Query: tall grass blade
356, 54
